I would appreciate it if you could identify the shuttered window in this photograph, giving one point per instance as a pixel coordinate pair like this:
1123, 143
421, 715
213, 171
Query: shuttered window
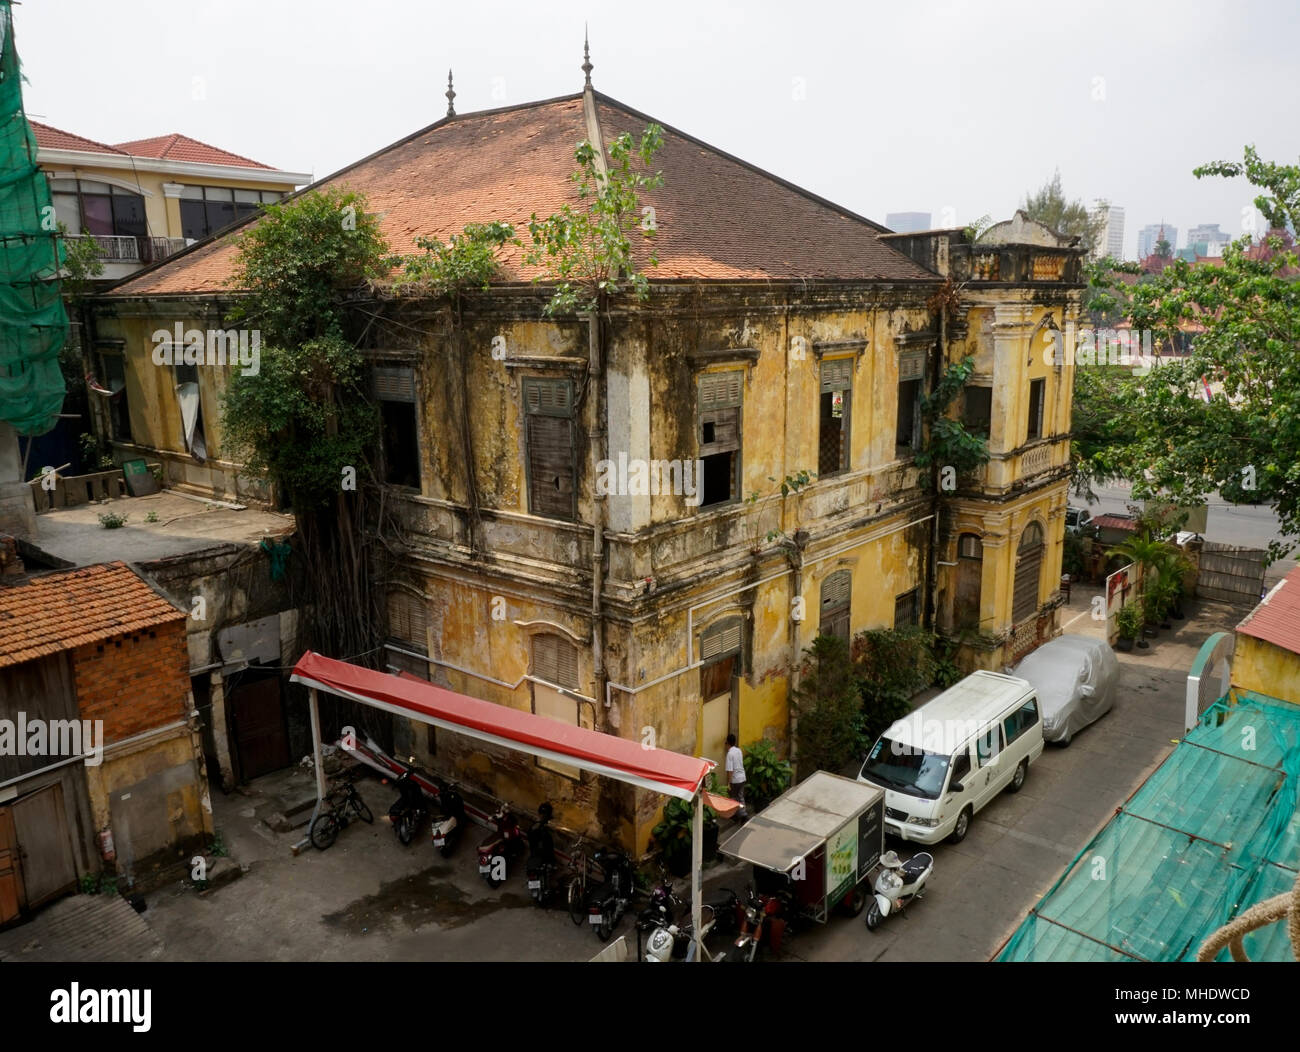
833, 416
835, 603
1029, 557
394, 383
719, 436
408, 619
548, 408
721, 639
555, 660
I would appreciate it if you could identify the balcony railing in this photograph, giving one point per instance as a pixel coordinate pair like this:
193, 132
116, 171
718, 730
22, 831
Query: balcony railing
113, 248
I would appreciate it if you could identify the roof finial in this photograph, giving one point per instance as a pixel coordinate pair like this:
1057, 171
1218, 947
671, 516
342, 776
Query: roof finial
451, 96
586, 56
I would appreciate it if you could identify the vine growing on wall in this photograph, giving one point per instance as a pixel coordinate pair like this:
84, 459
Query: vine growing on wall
951, 443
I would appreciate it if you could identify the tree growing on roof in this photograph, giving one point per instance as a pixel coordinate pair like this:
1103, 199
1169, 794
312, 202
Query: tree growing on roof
1226, 416
1048, 205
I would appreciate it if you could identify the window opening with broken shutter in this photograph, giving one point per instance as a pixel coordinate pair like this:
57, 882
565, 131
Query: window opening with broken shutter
548, 410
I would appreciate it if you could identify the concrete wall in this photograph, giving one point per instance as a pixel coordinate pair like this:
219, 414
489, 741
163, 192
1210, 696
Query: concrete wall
1266, 668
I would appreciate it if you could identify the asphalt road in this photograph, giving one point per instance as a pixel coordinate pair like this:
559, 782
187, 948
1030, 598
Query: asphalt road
1020, 844
1248, 525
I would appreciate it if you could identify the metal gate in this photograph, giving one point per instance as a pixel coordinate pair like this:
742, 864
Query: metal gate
1230, 574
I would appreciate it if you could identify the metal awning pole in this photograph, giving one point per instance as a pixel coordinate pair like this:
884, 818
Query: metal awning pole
316, 755
697, 860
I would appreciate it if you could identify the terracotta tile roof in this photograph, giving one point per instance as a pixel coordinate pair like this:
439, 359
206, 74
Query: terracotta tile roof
48, 138
44, 615
718, 218
1277, 618
1114, 522
177, 147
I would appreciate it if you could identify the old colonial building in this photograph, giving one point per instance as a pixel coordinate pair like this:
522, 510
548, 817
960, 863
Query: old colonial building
592, 522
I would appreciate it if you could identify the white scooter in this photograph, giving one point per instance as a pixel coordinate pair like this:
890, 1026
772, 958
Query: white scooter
898, 884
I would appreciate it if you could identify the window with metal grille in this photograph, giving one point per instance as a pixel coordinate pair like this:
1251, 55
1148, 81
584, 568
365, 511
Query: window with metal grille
1029, 557
548, 413
905, 609
833, 416
719, 407
836, 599
1037, 389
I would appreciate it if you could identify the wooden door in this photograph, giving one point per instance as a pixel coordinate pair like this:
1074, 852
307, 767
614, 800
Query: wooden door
41, 829
717, 683
11, 877
258, 717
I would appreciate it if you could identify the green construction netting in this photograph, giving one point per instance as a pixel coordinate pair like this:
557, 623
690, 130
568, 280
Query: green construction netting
1214, 830
33, 323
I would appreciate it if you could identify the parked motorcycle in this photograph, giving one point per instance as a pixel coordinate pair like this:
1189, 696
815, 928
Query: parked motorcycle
495, 852
898, 884
762, 917
609, 900
409, 809
662, 909
541, 859
451, 822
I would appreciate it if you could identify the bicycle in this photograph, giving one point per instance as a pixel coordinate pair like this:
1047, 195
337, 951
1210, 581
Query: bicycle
577, 890
340, 800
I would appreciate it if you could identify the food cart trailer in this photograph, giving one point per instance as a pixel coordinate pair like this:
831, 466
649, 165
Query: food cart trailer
818, 841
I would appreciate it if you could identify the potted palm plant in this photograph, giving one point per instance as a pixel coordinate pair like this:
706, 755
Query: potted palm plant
1129, 622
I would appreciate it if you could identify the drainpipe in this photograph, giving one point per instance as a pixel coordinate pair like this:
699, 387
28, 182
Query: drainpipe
932, 592
599, 438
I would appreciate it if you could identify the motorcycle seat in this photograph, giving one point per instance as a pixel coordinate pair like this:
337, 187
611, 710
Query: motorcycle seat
916, 865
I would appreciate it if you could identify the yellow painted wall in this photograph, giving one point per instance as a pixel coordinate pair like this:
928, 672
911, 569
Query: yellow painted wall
1266, 668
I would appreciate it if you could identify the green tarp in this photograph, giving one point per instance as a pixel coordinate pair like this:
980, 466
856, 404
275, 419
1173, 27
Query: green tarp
1213, 831
33, 323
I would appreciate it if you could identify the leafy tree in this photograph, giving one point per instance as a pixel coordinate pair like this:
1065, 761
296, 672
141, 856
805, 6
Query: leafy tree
827, 703
468, 260
1157, 429
304, 419
951, 444
587, 251
1048, 205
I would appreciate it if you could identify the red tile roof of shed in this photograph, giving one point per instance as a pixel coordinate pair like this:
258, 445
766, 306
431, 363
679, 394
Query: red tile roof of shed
1277, 618
58, 611
177, 147
718, 218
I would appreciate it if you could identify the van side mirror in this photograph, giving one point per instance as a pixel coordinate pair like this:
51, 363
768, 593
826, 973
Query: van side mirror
956, 787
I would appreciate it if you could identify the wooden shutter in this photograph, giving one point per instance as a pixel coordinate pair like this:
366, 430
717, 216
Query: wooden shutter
837, 375
905, 609
720, 390
1029, 557
555, 660
408, 619
548, 406
720, 640
394, 383
911, 366
835, 604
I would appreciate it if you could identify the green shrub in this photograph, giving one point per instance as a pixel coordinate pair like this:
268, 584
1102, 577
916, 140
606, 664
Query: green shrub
827, 701
112, 520
767, 776
672, 836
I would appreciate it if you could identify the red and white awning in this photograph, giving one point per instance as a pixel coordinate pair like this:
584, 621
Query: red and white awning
628, 761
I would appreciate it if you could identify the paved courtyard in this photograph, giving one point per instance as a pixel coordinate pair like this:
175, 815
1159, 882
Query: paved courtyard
369, 898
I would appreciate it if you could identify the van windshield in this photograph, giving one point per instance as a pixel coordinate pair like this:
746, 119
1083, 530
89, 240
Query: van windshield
906, 769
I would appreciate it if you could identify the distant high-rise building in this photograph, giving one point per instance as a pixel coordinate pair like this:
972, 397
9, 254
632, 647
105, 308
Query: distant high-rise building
1149, 235
1202, 237
1111, 240
907, 222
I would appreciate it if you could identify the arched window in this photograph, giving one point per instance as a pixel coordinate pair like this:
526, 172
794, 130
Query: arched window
1029, 557
970, 577
835, 601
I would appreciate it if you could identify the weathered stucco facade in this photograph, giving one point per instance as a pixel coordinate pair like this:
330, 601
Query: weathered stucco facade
538, 565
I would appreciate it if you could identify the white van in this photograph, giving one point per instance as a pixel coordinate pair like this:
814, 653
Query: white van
947, 759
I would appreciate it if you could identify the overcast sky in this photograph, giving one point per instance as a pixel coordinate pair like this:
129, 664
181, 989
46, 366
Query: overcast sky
950, 108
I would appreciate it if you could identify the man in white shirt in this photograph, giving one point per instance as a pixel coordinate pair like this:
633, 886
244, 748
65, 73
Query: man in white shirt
735, 767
